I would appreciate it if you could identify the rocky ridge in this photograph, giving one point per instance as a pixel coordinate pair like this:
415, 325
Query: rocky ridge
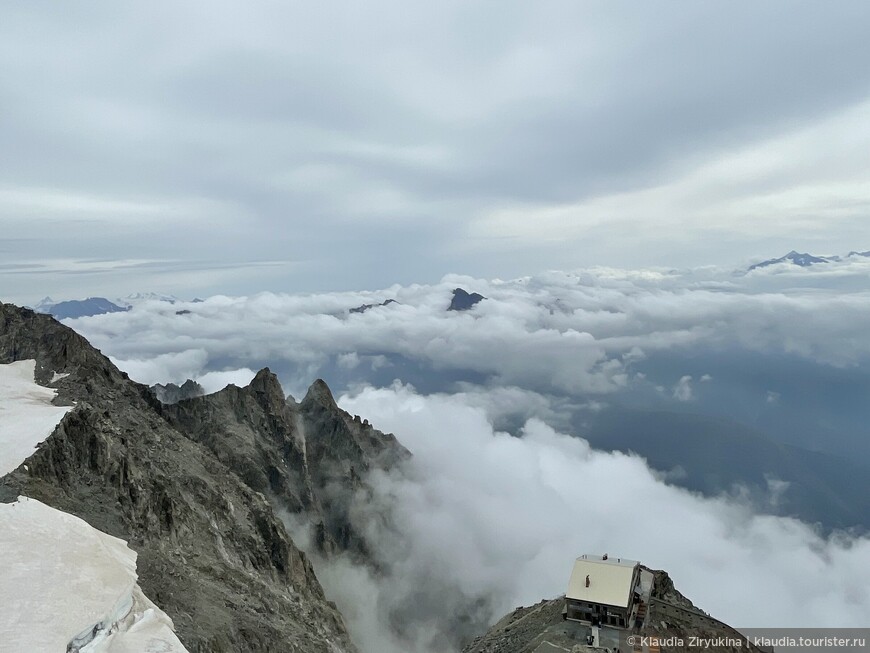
213, 554
197, 488
171, 393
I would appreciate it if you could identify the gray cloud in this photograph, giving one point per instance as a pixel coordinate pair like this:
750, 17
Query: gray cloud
386, 146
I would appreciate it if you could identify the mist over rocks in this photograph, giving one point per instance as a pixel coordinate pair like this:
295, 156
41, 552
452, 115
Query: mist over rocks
783, 347
211, 551
364, 307
421, 544
310, 459
171, 393
510, 505
780, 353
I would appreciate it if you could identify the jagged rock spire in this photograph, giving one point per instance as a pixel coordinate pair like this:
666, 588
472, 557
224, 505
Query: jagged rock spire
319, 393
266, 386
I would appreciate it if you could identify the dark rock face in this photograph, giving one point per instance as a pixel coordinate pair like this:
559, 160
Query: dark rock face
83, 308
172, 393
212, 552
364, 307
462, 300
308, 458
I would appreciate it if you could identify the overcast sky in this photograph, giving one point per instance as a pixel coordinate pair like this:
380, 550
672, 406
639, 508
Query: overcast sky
230, 147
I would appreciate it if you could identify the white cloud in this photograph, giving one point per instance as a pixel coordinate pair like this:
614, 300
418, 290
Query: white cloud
482, 515
214, 381
570, 333
181, 366
683, 389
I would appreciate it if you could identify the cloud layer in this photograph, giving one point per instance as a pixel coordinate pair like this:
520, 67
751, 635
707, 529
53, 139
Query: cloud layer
483, 522
292, 148
579, 332
783, 349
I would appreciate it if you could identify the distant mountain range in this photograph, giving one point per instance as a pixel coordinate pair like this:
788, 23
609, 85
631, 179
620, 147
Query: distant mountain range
78, 307
804, 260
461, 300
75, 308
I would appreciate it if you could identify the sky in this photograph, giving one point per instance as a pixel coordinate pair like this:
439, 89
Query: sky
303, 147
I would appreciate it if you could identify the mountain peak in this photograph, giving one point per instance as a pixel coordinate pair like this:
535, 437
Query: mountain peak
266, 385
463, 300
319, 393
801, 259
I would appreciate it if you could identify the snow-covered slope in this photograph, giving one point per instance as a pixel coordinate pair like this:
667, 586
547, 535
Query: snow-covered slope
27, 416
65, 586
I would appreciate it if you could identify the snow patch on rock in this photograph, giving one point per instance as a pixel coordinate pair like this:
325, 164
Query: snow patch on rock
65, 586
27, 415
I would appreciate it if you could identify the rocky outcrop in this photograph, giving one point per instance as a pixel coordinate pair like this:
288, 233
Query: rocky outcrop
212, 552
364, 307
309, 458
463, 300
171, 393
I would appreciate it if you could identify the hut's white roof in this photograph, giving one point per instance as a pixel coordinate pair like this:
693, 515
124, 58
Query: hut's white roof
610, 580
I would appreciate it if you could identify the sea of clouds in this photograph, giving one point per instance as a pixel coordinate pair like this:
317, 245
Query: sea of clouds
574, 332
491, 521
484, 520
